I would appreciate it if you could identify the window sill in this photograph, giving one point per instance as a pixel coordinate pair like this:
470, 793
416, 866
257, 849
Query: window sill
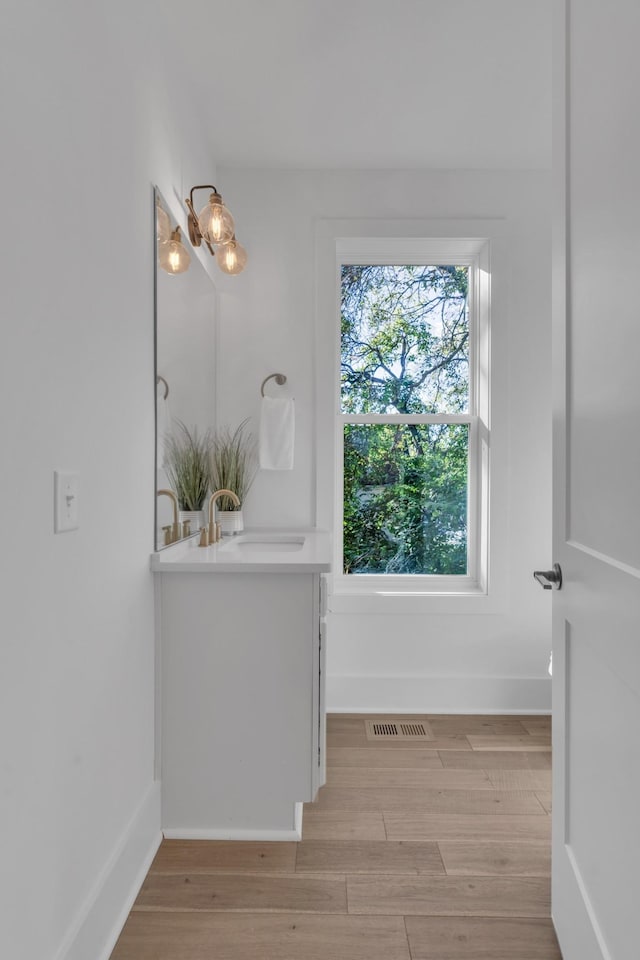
447, 596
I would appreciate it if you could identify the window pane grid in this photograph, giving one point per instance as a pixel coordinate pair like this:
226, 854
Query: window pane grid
406, 418
408, 412
405, 339
406, 499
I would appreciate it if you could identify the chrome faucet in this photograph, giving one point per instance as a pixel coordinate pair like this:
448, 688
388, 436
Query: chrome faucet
175, 528
212, 507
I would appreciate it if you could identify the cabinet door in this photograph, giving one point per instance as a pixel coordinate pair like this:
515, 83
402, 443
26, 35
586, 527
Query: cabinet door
319, 774
237, 701
322, 717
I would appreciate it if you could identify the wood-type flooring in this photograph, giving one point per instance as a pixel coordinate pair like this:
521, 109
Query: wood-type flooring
429, 850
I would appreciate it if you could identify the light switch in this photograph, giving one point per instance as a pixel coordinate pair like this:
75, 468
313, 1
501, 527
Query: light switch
66, 486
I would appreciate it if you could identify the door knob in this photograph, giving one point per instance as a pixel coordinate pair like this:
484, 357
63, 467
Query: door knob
549, 579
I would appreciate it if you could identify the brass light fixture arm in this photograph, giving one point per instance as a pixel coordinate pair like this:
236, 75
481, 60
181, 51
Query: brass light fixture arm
194, 232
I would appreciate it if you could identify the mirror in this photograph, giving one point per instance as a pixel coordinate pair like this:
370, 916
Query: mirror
185, 337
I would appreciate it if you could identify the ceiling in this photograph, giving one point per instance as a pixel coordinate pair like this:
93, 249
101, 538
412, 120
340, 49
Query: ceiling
368, 84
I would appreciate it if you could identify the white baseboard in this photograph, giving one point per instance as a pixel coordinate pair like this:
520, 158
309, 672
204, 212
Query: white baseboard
103, 914
351, 694
232, 833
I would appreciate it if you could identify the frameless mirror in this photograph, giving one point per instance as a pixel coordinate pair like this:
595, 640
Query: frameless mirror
185, 378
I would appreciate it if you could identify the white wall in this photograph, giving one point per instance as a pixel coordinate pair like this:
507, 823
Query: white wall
460, 660
86, 131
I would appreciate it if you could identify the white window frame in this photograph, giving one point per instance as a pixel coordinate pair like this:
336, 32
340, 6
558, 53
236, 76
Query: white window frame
479, 244
423, 253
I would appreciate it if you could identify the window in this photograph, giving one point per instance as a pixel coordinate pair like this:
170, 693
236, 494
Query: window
409, 444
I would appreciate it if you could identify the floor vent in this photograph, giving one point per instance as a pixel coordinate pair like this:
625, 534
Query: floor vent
398, 730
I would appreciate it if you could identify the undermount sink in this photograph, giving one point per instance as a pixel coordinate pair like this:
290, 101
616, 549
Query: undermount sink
266, 543
285, 551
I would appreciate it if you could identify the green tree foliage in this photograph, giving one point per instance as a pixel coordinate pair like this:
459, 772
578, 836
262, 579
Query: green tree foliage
404, 339
405, 336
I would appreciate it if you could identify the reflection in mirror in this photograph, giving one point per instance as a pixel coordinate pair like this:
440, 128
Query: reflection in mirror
185, 380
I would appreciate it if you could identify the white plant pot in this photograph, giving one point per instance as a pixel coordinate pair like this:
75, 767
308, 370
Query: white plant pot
230, 521
195, 516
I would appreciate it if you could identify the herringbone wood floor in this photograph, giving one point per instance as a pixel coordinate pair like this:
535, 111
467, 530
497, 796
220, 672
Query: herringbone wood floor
425, 850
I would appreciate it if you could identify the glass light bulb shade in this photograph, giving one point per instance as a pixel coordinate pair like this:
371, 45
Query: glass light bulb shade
173, 256
231, 257
215, 222
163, 224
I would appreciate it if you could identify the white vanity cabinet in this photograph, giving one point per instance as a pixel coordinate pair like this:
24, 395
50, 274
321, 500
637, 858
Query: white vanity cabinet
242, 699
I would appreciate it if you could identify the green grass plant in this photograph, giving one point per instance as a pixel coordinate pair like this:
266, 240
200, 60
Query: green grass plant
233, 463
187, 465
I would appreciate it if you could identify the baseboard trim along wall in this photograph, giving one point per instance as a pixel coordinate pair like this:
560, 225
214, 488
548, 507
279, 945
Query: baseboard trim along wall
351, 694
104, 912
189, 833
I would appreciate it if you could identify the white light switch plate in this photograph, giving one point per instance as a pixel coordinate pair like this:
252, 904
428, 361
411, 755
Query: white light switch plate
66, 486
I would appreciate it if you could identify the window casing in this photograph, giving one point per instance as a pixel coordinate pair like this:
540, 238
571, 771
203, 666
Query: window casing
472, 255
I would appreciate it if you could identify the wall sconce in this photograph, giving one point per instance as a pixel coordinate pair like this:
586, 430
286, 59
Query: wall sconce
173, 256
232, 256
214, 224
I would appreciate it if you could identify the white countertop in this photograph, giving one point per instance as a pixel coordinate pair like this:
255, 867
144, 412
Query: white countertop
252, 551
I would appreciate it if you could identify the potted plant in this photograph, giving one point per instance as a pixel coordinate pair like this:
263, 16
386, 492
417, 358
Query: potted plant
187, 468
233, 467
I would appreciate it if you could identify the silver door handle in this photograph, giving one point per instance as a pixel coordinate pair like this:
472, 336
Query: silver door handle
549, 579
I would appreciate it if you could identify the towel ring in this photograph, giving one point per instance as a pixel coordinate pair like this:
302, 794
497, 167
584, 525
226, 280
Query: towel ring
278, 377
160, 379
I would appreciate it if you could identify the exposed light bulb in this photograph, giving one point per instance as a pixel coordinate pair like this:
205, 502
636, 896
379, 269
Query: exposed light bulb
173, 256
215, 222
231, 257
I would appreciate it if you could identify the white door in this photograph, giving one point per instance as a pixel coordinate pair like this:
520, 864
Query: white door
596, 629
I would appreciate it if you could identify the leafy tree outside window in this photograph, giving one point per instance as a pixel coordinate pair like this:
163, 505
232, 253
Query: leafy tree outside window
406, 404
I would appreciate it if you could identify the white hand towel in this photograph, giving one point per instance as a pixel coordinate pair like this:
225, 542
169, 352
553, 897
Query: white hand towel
277, 429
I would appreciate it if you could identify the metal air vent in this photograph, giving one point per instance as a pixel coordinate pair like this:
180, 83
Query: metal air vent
398, 729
